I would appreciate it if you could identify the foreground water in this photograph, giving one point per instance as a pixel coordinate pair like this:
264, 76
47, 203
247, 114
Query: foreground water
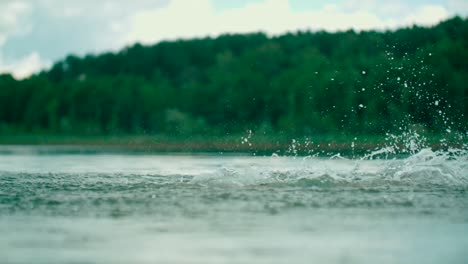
60, 207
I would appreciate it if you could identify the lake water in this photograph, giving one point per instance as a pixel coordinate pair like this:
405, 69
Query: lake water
72, 207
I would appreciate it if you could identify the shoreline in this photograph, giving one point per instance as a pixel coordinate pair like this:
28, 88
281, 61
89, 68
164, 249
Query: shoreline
326, 145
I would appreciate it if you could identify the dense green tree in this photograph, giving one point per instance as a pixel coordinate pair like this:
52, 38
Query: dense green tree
299, 83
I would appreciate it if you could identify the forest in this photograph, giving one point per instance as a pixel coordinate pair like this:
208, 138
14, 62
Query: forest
299, 84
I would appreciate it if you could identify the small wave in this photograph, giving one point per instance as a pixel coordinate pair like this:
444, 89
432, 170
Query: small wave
431, 167
425, 168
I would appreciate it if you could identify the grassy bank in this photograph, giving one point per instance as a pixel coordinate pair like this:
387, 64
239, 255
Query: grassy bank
261, 144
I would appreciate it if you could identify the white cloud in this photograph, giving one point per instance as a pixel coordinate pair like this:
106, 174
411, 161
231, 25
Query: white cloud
91, 8
197, 18
11, 15
428, 15
25, 66
184, 18
28, 26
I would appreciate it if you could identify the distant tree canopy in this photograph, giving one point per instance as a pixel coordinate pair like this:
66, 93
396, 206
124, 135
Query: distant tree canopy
299, 84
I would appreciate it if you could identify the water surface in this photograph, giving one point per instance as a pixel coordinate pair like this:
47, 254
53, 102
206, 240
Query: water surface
67, 207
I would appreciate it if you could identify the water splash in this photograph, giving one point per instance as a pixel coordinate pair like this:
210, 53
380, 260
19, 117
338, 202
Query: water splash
404, 161
424, 169
247, 139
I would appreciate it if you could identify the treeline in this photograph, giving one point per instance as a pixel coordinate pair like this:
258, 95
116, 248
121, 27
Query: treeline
299, 84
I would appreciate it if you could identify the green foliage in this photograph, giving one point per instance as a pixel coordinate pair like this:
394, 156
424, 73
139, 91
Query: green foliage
298, 84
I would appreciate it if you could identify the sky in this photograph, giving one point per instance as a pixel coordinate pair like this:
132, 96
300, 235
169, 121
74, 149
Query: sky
36, 33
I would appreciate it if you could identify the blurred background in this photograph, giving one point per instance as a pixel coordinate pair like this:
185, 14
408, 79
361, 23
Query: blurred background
188, 72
